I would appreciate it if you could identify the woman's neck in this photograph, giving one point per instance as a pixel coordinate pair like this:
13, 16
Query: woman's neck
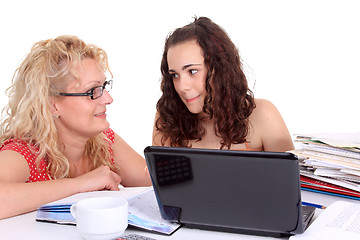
74, 151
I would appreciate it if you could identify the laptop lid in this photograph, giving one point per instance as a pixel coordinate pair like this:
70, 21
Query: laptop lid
237, 191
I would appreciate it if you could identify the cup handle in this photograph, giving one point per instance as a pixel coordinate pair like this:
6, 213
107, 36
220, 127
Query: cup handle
73, 210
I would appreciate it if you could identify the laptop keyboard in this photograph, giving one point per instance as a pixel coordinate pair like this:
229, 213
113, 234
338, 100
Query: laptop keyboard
308, 213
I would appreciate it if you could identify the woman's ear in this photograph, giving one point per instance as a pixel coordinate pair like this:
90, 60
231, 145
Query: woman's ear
53, 107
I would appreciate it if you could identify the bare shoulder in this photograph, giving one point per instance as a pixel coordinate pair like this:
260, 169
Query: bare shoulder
13, 167
264, 111
121, 147
131, 164
268, 125
263, 103
156, 135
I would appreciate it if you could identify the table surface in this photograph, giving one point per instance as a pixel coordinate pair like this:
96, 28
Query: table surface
25, 226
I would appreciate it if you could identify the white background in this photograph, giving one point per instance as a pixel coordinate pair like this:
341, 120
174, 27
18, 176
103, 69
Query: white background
304, 56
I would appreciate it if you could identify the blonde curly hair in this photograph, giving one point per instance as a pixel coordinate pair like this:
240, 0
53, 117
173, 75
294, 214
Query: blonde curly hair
42, 75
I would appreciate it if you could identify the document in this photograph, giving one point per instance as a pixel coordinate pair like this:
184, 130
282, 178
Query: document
144, 213
340, 220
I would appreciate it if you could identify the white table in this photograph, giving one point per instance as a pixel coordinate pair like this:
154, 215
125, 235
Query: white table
25, 227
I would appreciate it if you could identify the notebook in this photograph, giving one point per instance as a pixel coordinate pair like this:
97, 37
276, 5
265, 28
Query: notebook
226, 190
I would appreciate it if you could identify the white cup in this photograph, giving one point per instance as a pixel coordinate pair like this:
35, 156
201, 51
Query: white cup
101, 217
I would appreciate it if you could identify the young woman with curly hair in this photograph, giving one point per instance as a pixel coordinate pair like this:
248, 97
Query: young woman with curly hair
206, 101
55, 139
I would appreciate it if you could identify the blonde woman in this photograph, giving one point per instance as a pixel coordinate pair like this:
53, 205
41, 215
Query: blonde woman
55, 139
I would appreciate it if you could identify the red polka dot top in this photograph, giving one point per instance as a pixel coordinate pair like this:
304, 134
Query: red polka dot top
41, 173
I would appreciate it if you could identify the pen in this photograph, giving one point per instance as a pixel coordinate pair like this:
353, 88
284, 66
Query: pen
313, 205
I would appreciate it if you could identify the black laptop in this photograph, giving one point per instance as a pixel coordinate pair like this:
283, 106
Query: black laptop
226, 190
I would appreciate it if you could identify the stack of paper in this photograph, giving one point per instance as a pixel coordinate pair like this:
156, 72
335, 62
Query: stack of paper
330, 165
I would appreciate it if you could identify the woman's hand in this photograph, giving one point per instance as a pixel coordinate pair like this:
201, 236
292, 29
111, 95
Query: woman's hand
102, 178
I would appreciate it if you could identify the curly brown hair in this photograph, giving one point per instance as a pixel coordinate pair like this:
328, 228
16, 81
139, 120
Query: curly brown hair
229, 100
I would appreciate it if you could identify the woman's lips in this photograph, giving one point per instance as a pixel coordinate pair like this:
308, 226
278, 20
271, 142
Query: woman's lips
101, 115
192, 99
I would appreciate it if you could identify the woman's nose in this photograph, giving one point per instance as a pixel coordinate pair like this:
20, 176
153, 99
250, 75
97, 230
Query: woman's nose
107, 97
184, 83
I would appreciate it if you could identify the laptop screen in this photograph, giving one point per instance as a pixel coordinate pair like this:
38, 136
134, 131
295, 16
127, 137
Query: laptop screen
227, 190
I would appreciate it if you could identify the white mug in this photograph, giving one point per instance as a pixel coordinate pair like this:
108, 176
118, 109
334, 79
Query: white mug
101, 217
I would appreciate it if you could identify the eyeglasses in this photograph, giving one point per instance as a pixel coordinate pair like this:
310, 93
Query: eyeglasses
95, 92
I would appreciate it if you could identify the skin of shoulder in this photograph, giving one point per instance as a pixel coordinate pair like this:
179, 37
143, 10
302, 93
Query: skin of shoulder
13, 167
156, 136
131, 165
268, 126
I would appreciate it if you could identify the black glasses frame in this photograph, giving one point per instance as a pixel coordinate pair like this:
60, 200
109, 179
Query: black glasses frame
90, 93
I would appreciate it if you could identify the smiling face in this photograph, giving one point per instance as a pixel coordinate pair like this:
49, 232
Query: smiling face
188, 70
80, 115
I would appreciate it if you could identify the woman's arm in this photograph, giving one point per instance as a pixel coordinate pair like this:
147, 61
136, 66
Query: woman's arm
18, 197
270, 127
132, 166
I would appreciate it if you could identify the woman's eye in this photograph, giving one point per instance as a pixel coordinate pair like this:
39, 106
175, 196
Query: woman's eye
174, 75
193, 71
90, 90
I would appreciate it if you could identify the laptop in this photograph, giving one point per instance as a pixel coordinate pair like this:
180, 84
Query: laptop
226, 190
